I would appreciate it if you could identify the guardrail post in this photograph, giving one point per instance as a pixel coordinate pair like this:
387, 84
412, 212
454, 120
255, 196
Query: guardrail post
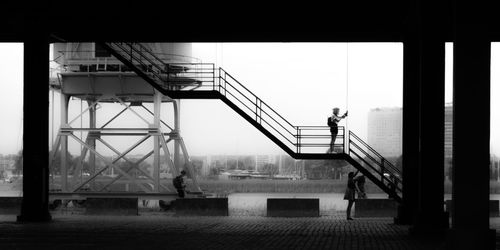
382, 169
343, 140
218, 78
298, 139
256, 109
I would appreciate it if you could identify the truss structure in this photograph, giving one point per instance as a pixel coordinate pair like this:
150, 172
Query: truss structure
150, 181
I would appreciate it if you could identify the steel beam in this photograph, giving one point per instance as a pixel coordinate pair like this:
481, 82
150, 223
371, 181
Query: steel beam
92, 124
84, 111
134, 164
132, 110
64, 143
189, 165
177, 159
156, 124
111, 164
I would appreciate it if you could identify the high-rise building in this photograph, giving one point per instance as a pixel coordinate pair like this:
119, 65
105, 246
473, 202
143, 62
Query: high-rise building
385, 131
448, 131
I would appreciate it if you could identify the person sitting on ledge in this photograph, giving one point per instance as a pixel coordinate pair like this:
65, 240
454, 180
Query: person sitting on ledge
179, 184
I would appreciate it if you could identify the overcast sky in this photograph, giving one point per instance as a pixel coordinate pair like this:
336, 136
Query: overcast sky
301, 81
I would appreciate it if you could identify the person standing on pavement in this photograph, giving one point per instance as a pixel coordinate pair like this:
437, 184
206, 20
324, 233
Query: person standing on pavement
360, 184
350, 194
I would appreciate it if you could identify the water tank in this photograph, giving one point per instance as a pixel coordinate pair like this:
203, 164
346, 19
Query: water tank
87, 70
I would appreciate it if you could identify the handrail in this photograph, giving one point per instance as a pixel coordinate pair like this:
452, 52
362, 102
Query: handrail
255, 103
140, 53
383, 177
365, 144
376, 153
91, 55
149, 52
225, 73
251, 110
385, 166
228, 86
382, 167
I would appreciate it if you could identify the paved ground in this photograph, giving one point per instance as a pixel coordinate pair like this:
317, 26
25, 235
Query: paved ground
164, 231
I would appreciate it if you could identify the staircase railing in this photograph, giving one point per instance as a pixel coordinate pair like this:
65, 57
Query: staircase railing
175, 78
369, 158
203, 77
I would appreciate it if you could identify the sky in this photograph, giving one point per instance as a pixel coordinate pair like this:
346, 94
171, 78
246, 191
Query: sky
301, 81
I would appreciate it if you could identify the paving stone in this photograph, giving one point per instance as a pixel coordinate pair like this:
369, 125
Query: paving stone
70, 231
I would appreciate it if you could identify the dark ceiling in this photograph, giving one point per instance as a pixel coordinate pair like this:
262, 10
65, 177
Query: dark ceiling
238, 21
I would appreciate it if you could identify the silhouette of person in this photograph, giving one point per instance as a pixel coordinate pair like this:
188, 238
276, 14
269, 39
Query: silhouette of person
360, 183
350, 193
333, 120
179, 184
392, 186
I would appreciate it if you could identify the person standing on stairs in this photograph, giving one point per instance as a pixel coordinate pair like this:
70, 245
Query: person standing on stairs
333, 120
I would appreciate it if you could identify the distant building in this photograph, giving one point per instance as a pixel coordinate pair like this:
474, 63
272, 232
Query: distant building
7, 167
262, 160
448, 139
385, 131
201, 162
448, 131
494, 168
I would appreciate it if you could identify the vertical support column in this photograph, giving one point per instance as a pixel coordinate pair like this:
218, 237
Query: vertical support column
177, 159
411, 127
92, 124
471, 130
64, 143
35, 126
156, 163
430, 218
430, 210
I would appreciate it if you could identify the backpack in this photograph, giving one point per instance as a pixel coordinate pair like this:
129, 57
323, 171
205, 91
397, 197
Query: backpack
177, 181
330, 122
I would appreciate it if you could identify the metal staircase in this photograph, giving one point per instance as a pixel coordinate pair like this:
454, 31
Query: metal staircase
204, 81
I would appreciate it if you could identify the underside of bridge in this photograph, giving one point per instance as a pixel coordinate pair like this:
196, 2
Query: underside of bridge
423, 27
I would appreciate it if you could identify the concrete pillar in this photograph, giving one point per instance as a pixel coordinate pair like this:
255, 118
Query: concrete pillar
92, 124
471, 130
411, 131
430, 217
35, 128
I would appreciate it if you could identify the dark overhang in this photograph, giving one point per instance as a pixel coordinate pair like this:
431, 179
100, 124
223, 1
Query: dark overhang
182, 21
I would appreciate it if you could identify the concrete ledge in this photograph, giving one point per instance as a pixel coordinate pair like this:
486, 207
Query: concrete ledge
111, 206
10, 205
282, 207
375, 208
494, 207
201, 206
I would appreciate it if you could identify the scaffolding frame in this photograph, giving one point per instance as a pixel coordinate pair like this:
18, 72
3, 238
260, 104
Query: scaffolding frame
153, 130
